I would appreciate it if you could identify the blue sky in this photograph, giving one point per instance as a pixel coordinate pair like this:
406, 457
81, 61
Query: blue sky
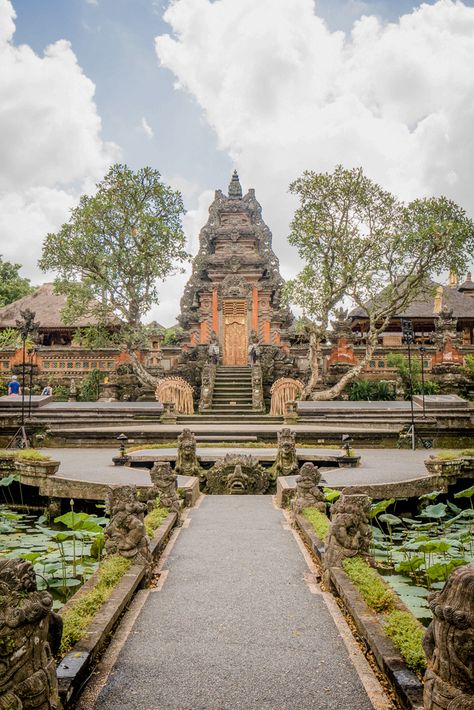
271, 87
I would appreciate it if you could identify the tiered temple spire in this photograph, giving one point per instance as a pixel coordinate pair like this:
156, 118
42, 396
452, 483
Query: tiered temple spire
235, 188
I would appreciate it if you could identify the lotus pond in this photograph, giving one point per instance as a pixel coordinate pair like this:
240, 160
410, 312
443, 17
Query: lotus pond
416, 554
63, 555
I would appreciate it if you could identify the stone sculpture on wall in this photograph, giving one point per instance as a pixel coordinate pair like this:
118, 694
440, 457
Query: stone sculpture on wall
308, 492
237, 474
163, 480
30, 634
125, 534
286, 461
187, 463
257, 388
449, 644
208, 376
349, 533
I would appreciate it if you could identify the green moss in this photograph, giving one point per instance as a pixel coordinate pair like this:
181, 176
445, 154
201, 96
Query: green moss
319, 522
81, 612
154, 518
467, 452
32, 455
373, 589
407, 634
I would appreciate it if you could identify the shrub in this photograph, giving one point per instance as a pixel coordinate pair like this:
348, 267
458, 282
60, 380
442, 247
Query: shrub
407, 634
319, 522
447, 455
89, 387
373, 589
78, 616
371, 390
154, 518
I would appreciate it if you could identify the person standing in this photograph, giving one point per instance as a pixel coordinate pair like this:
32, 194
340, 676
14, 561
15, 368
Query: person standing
14, 388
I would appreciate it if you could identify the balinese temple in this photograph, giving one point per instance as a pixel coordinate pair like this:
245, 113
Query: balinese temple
235, 287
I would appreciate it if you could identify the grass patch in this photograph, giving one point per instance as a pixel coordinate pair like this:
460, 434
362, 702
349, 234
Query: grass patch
447, 455
31, 455
467, 452
318, 521
374, 591
79, 615
154, 518
407, 634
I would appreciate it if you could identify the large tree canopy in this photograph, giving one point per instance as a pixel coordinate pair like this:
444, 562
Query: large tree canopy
362, 244
12, 285
118, 245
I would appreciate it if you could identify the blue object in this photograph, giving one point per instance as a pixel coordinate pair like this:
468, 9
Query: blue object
14, 387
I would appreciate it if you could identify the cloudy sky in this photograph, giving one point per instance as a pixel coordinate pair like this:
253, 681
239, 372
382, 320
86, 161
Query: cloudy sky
195, 88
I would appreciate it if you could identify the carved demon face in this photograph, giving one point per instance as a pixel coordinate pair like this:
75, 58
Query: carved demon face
237, 481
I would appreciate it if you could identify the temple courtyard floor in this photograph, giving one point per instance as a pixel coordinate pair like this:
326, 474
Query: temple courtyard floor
236, 622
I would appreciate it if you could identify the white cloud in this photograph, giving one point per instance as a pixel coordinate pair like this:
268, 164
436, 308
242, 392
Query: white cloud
92, 2
50, 142
284, 93
147, 129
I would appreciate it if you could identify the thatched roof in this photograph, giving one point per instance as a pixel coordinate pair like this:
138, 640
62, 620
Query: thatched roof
422, 307
47, 306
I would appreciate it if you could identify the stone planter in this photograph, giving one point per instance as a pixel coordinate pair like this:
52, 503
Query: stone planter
467, 463
7, 463
36, 468
447, 469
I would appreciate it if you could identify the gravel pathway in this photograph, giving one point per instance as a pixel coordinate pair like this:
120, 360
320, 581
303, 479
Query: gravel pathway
235, 626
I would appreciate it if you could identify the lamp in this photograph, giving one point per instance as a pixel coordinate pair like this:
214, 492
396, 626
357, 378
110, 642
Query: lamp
122, 458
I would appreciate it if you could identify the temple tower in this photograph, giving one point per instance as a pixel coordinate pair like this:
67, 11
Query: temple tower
235, 286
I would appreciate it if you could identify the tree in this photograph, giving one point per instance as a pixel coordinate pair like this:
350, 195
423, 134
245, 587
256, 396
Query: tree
360, 243
117, 246
12, 285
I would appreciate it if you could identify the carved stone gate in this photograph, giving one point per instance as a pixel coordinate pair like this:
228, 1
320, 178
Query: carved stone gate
235, 332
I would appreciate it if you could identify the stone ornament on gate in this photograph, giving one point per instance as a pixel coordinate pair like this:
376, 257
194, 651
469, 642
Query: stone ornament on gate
308, 492
125, 534
286, 460
349, 533
187, 463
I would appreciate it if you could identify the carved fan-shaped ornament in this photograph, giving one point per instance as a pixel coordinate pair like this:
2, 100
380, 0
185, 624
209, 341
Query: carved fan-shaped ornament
283, 390
178, 391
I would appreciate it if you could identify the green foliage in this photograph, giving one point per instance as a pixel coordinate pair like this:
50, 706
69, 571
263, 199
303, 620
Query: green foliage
95, 337
319, 522
407, 634
118, 245
400, 362
447, 456
80, 613
60, 393
155, 517
469, 366
172, 335
89, 387
372, 588
371, 390
31, 455
12, 285
11, 338
331, 495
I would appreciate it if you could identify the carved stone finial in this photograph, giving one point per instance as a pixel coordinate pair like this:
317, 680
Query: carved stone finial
235, 188
125, 534
186, 461
349, 533
286, 461
163, 480
449, 644
308, 493
30, 634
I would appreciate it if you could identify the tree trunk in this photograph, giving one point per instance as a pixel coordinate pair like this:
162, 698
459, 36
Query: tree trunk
314, 355
141, 372
346, 379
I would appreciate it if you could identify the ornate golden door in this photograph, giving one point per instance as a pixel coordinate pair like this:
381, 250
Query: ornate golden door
235, 332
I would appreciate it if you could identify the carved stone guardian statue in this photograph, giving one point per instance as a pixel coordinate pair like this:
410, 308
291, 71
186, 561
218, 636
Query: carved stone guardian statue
186, 461
308, 492
163, 480
286, 461
30, 634
349, 533
449, 644
125, 534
